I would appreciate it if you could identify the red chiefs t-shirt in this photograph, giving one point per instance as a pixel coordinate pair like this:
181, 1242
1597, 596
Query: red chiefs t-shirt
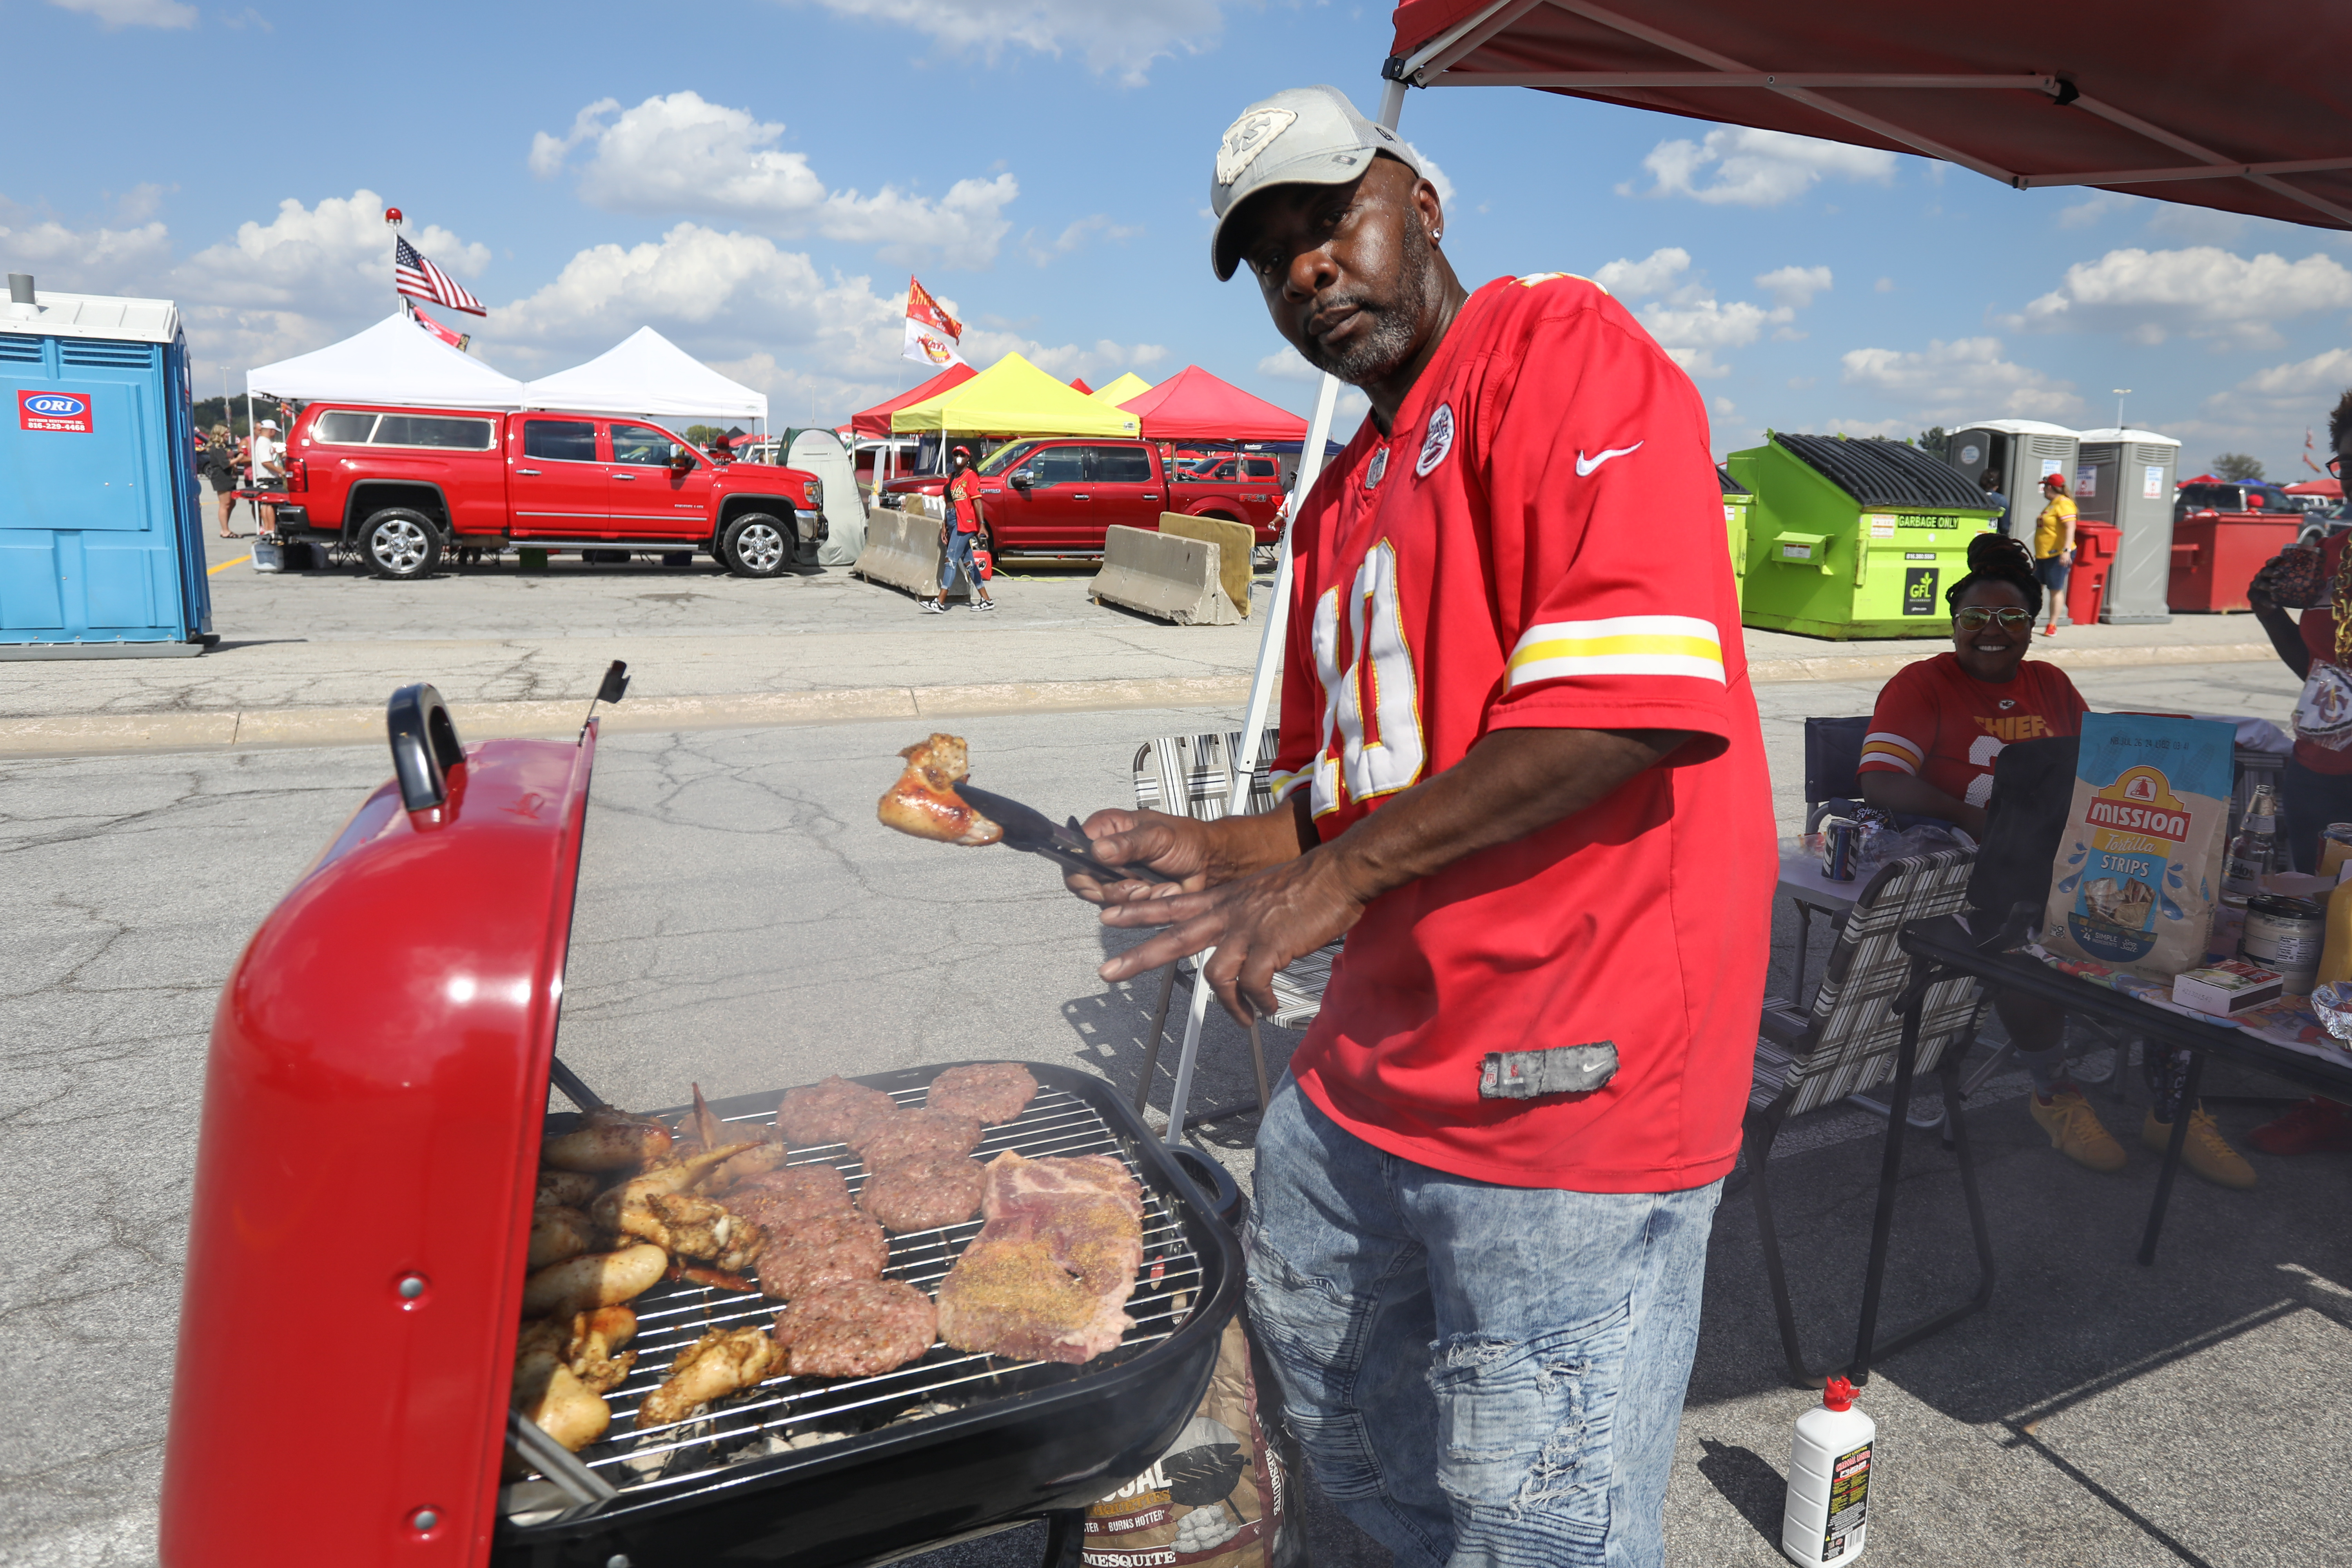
963, 492
2318, 627
1539, 544
1936, 721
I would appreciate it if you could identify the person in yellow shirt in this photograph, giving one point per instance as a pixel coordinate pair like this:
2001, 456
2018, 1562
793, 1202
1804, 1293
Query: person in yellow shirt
2054, 544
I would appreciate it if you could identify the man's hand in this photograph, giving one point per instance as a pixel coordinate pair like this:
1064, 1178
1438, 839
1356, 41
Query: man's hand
1262, 924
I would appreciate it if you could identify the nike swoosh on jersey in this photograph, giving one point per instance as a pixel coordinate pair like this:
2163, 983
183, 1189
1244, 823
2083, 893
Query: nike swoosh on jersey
1585, 465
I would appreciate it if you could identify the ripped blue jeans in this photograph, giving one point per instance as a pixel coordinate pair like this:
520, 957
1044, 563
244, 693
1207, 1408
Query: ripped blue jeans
1481, 1377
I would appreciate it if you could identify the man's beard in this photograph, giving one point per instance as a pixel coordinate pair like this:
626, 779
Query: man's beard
1375, 354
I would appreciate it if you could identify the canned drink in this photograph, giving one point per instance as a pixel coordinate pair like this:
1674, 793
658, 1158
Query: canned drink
1841, 848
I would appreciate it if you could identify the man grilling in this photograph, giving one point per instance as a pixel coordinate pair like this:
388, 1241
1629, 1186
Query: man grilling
1520, 768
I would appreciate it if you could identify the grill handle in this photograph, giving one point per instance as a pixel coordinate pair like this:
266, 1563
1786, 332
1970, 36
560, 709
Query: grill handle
424, 745
557, 1464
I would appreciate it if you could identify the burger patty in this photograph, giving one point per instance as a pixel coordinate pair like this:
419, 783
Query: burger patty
856, 1328
833, 1112
779, 1198
924, 1192
913, 1133
994, 1093
819, 1249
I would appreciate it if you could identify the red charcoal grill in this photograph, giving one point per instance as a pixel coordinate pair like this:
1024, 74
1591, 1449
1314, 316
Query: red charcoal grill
378, 1084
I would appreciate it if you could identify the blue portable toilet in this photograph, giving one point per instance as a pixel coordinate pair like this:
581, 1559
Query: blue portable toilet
101, 541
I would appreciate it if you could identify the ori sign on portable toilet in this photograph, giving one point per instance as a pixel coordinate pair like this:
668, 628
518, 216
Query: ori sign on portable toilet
102, 554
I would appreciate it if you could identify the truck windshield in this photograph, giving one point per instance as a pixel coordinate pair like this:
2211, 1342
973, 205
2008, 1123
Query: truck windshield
1006, 456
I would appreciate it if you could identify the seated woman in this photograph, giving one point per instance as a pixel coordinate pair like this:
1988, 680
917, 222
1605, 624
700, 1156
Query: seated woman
1933, 737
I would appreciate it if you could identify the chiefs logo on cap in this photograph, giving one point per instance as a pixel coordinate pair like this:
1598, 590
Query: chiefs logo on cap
1247, 137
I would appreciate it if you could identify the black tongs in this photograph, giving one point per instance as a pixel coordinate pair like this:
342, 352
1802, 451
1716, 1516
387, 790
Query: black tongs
1027, 828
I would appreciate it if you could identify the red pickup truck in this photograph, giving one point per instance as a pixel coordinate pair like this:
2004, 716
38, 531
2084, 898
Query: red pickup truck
1055, 496
404, 486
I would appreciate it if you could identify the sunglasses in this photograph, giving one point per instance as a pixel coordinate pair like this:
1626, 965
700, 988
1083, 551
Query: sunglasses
1974, 617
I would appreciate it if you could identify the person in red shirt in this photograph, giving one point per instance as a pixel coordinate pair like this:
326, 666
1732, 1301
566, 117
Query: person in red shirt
961, 535
1521, 769
1936, 732
2317, 781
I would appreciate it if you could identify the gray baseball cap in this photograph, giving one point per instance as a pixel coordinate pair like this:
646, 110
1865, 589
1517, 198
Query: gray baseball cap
1300, 136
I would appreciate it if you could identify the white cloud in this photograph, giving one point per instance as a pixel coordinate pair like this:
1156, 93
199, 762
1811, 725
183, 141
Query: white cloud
1746, 167
1435, 176
1862, 429
2269, 409
1124, 39
2092, 208
1794, 285
85, 261
2202, 292
1288, 364
1683, 313
1075, 237
1099, 362
1964, 379
683, 156
1884, 286
134, 12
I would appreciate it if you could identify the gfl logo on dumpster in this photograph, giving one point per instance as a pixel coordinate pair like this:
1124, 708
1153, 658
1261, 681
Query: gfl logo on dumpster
66, 412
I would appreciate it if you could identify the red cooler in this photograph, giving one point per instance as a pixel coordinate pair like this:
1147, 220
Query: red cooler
2216, 554
2094, 557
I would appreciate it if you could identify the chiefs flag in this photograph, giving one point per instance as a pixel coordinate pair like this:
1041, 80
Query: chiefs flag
436, 329
931, 334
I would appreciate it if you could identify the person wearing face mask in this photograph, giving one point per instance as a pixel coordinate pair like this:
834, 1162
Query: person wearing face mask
1934, 736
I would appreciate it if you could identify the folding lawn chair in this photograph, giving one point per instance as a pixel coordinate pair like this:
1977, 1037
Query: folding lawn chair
1873, 1019
1192, 775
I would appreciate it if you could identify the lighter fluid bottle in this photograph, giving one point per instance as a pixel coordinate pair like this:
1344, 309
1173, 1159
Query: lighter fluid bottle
1829, 1480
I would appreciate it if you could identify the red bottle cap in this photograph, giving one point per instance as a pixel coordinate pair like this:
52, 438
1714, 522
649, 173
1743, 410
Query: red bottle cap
1838, 1394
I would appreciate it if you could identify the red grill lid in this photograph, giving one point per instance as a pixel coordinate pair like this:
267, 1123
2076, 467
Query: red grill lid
373, 1104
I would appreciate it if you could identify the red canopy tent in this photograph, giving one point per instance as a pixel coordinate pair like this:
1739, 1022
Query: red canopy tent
1078, 383
875, 421
2332, 488
2184, 102
1193, 405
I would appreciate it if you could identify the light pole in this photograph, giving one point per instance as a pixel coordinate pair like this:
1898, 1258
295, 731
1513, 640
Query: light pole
2121, 393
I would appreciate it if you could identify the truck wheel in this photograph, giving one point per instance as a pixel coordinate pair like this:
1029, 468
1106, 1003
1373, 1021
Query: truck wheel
757, 545
399, 544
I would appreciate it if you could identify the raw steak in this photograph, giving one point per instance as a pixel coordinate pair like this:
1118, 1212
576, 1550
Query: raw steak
924, 1192
821, 1248
913, 1133
856, 1328
833, 1112
994, 1093
1051, 1270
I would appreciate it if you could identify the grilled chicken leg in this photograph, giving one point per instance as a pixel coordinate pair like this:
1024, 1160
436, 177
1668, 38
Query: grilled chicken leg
722, 1361
547, 1394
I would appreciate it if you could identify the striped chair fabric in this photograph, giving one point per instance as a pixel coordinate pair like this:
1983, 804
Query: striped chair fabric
1192, 775
1847, 1044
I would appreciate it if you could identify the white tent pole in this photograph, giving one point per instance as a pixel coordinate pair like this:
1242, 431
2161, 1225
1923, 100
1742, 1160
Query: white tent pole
1271, 644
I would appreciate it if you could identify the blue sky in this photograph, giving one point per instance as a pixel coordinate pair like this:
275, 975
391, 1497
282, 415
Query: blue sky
757, 182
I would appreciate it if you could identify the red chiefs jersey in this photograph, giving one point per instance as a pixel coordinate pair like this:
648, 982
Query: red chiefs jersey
1940, 724
2317, 626
1539, 543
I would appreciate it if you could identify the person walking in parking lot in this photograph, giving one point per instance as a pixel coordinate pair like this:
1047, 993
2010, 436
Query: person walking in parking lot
219, 465
963, 531
2054, 544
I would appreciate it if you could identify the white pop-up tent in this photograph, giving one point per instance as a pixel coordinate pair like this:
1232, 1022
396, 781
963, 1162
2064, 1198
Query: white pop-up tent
647, 374
393, 361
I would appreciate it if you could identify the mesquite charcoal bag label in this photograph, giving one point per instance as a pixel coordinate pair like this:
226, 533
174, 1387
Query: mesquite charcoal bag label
2140, 866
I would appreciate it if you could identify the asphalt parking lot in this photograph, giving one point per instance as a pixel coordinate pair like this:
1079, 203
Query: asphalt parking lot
742, 922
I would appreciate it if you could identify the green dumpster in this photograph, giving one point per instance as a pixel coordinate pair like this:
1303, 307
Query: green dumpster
1853, 538
1735, 500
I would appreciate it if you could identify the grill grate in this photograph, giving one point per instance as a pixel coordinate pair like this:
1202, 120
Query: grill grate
787, 1414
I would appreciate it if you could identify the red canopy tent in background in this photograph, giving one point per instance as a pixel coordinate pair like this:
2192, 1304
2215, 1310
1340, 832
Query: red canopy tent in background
1078, 383
1193, 405
875, 421
2181, 101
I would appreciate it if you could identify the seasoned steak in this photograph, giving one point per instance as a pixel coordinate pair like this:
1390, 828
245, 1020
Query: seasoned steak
1049, 1275
820, 1248
924, 1192
856, 1328
833, 1112
913, 1133
993, 1093
779, 1198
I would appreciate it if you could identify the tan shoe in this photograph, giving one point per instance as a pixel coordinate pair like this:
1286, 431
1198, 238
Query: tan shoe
2075, 1131
2205, 1152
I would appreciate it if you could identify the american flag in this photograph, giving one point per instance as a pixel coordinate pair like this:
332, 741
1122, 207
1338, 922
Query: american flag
413, 274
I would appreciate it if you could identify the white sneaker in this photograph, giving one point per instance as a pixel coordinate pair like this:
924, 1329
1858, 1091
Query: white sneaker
933, 607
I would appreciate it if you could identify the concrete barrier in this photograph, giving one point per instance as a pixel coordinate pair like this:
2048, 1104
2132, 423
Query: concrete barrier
902, 549
1164, 574
1235, 543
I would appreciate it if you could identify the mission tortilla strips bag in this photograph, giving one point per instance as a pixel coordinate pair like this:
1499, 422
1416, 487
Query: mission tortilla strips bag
1215, 1499
2139, 872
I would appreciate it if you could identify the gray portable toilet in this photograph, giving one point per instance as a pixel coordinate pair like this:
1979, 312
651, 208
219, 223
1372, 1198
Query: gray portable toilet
101, 546
2125, 476
2020, 451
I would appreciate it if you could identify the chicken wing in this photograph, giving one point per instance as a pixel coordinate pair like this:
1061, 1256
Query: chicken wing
558, 1232
722, 1361
549, 1394
924, 802
627, 1209
694, 1227
607, 1140
593, 1349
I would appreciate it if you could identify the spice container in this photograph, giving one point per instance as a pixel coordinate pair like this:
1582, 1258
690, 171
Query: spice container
2288, 935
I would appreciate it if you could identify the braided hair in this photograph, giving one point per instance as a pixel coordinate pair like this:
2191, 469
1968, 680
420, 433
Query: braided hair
1997, 558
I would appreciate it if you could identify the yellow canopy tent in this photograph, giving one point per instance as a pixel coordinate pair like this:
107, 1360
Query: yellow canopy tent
1119, 391
1014, 397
